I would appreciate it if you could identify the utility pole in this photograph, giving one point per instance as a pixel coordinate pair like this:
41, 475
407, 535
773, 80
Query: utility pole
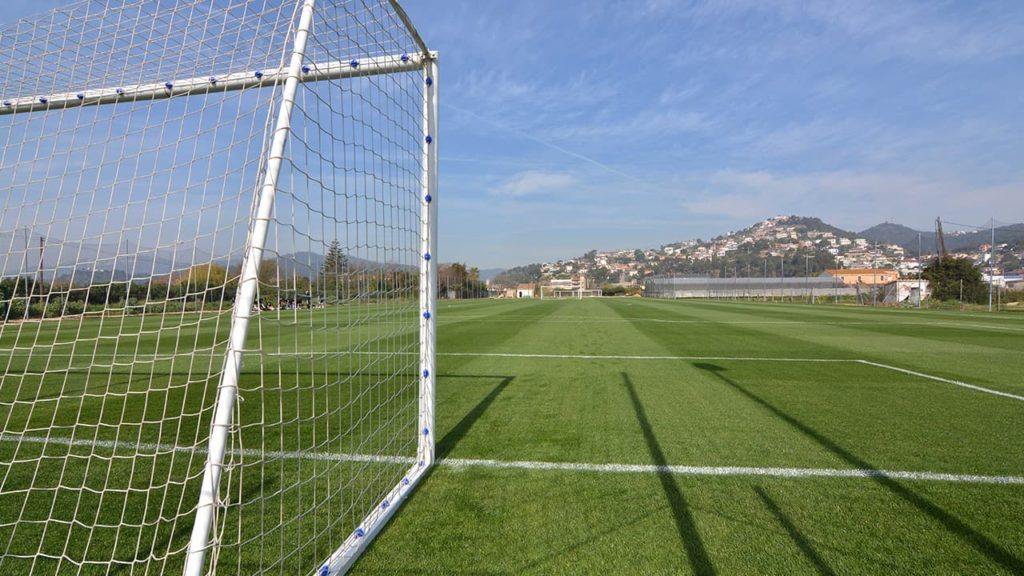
991, 263
782, 279
807, 276
42, 246
747, 288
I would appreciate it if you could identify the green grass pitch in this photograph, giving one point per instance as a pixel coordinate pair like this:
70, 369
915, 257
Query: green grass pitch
602, 436
711, 411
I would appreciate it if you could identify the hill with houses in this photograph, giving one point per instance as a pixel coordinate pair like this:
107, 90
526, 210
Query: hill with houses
779, 246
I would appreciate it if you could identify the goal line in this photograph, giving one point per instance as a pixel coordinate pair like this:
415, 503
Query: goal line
581, 467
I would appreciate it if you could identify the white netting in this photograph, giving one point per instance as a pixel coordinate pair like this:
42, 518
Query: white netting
123, 230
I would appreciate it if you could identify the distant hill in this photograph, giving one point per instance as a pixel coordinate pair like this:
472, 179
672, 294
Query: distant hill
906, 237
309, 264
812, 224
489, 273
892, 233
519, 275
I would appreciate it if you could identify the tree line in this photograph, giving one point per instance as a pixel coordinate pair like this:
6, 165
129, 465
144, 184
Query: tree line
207, 286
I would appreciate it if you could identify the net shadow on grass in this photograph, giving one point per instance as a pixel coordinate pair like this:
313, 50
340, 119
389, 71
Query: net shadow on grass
700, 563
951, 523
459, 431
801, 541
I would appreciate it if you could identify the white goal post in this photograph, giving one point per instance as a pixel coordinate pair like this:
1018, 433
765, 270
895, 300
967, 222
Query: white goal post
218, 284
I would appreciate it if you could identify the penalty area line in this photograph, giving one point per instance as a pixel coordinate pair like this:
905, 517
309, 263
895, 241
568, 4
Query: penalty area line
156, 449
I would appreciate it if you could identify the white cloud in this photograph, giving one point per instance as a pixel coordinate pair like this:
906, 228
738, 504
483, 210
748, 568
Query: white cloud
534, 182
854, 200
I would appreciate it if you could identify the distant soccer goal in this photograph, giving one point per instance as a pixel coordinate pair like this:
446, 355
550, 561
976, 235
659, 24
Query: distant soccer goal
217, 284
578, 294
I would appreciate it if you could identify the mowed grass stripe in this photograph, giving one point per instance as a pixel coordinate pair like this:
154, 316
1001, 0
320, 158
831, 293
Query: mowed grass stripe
991, 367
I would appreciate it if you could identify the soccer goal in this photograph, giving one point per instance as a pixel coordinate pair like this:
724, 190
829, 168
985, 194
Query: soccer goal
217, 284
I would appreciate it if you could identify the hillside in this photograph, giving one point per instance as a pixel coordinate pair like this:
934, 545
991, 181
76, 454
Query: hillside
782, 245
905, 237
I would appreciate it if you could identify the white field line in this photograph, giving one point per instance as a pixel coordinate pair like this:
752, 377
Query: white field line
940, 379
128, 358
640, 357
880, 322
740, 359
773, 472
153, 448
736, 471
155, 358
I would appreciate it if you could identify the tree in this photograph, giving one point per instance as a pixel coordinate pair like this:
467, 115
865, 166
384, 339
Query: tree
945, 275
268, 272
335, 260
268, 281
334, 270
457, 281
206, 282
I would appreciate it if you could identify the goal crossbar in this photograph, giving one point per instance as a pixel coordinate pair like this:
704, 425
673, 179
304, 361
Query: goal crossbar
212, 84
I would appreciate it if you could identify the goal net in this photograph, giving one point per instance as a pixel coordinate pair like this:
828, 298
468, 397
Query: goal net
217, 222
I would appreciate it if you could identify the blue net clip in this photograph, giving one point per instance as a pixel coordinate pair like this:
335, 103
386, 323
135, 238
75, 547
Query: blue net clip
354, 63
80, 96
428, 198
405, 57
305, 69
384, 505
429, 138
426, 315
168, 85
43, 100
426, 373
430, 81
213, 80
360, 533
258, 74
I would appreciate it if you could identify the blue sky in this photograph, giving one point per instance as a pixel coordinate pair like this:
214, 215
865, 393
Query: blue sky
571, 125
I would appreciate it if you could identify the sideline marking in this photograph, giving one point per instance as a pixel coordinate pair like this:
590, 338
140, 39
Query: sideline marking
941, 379
775, 472
629, 357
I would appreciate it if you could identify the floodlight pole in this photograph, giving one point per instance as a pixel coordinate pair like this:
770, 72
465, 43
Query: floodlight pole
920, 293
